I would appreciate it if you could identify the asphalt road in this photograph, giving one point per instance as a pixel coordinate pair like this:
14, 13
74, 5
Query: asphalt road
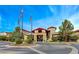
53, 49
41, 48
76, 46
14, 50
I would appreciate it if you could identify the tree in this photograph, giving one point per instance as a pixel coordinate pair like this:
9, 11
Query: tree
3, 38
29, 39
17, 35
65, 30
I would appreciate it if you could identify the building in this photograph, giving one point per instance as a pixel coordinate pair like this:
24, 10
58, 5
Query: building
3, 33
44, 35
41, 34
7, 34
76, 33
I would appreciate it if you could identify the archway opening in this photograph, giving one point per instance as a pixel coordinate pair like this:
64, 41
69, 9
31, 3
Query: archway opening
39, 38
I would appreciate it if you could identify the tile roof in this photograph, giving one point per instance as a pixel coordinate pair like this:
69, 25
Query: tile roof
39, 29
26, 30
51, 27
76, 31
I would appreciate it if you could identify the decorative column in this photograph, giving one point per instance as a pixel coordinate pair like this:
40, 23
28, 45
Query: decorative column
25, 38
50, 37
44, 36
35, 38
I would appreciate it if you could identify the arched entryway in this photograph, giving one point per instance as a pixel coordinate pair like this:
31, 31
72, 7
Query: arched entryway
39, 38
40, 35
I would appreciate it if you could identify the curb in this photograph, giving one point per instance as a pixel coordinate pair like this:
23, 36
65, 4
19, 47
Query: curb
20, 46
74, 50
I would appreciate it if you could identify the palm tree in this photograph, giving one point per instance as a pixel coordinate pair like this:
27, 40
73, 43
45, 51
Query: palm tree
66, 29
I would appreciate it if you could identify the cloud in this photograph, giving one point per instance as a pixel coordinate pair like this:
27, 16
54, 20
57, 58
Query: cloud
26, 26
45, 22
72, 14
75, 20
69, 12
53, 10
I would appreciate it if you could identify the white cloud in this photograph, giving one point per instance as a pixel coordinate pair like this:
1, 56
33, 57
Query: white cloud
53, 10
56, 20
45, 22
75, 20
26, 26
68, 12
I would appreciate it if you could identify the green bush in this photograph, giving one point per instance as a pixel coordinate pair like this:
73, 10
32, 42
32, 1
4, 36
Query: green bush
29, 39
54, 39
3, 38
60, 38
8, 38
12, 40
73, 38
19, 41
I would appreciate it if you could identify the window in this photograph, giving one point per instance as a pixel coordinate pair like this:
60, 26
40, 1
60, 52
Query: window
40, 31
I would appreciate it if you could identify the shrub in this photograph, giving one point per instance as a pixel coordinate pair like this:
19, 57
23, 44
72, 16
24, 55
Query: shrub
19, 41
55, 39
29, 39
12, 40
8, 38
73, 38
3, 38
60, 38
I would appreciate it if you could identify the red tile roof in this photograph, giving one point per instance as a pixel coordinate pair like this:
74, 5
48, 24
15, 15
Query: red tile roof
26, 30
52, 27
76, 31
39, 29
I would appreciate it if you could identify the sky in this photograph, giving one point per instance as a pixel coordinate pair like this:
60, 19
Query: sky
43, 16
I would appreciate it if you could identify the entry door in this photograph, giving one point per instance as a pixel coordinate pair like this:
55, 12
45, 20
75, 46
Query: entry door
39, 37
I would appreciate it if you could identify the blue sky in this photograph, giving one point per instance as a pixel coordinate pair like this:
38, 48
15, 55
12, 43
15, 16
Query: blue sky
42, 16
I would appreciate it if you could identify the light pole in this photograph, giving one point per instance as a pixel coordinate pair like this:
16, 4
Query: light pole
20, 21
31, 25
21, 17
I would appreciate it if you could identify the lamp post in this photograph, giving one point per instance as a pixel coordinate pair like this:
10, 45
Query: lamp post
21, 15
31, 25
20, 21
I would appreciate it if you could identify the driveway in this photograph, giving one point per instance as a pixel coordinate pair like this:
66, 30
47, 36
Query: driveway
39, 49
53, 49
14, 50
76, 46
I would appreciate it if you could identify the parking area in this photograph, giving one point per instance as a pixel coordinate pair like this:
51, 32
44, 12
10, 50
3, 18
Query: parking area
39, 49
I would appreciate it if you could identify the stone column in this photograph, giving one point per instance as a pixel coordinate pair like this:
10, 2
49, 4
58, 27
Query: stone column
50, 37
35, 38
44, 35
44, 38
25, 38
